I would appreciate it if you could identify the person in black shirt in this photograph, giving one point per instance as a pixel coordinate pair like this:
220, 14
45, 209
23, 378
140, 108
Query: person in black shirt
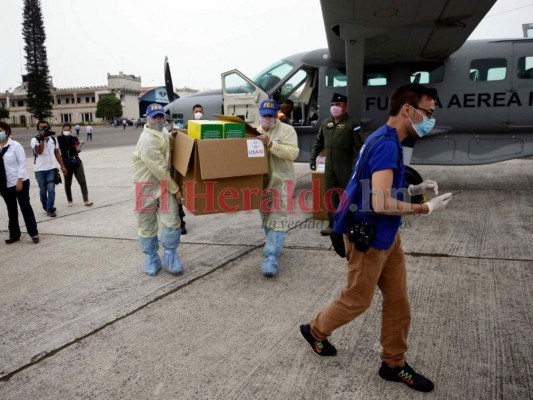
70, 146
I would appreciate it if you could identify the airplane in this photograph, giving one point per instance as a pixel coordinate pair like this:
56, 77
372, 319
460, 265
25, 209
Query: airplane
485, 87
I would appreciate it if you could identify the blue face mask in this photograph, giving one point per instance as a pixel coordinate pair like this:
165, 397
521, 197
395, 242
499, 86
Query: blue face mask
2, 136
424, 127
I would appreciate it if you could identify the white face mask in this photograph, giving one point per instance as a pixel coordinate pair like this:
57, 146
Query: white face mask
66, 133
156, 124
2, 136
198, 115
336, 111
267, 122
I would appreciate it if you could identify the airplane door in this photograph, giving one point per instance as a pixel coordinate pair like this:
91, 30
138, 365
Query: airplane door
522, 86
241, 97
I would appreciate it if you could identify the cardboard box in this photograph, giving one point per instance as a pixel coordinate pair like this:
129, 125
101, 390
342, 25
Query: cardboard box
319, 210
233, 130
220, 175
200, 129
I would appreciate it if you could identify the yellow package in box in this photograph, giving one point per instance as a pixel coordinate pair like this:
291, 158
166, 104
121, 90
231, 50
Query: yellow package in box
205, 129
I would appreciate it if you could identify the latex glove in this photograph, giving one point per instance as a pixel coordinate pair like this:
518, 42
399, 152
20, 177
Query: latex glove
312, 165
438, 203
426, 187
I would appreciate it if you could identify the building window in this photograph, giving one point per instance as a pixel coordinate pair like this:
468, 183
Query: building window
87, 100
13, 119
87, 117
12, 104
58, 101
488, 69
3, 104
93, 100
66, 117
67, 100
78, 100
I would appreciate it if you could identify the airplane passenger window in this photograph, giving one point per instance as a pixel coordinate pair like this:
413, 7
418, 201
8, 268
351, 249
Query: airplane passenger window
376, 76
336, 77
525, 67
425, 73
488, 69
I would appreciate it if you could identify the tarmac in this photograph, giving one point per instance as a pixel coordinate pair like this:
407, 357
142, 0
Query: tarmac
80, 319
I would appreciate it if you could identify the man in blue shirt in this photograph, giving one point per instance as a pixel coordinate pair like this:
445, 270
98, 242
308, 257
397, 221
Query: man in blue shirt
374, 196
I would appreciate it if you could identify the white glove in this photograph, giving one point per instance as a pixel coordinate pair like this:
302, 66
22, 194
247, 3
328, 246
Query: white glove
438, 203
426, 187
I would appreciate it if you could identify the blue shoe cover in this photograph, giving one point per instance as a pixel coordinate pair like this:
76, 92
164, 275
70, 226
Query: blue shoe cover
152, 264
170, 240
269, 267
172, 262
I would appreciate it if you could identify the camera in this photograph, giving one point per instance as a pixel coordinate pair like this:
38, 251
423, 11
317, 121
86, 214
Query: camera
361, 235
44, 134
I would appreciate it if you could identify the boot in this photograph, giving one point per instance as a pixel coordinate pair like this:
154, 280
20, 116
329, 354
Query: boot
273, 246
170, 240
152, 262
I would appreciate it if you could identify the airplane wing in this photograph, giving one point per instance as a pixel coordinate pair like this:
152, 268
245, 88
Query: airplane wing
401, 31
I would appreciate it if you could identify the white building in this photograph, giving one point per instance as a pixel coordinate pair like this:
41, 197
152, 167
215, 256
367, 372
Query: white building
76, 105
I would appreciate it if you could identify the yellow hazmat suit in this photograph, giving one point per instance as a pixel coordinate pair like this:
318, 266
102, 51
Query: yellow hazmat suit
281, 158
154, 195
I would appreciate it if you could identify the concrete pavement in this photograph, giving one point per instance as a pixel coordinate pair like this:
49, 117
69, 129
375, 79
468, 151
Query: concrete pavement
81, 320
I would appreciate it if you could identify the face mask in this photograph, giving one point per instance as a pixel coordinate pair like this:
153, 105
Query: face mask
336, 111
198, 115
2, 136
156, 124
66, 133
267, 122
424, 127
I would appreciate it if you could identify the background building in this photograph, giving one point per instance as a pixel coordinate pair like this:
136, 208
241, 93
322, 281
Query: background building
76, 105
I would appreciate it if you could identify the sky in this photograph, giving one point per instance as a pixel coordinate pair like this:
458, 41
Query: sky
202, 38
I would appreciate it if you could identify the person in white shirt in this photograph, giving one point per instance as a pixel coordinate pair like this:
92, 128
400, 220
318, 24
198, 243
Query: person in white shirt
15, 186
89, 132
46, 149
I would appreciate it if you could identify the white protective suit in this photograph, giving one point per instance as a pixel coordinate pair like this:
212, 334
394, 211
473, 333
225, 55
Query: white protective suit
281, 158
151, 162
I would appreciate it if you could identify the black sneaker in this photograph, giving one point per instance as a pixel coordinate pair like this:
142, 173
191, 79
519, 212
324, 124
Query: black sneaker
322, 348
407, 375
326, 231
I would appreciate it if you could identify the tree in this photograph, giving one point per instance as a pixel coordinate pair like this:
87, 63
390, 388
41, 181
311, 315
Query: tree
4, 113
108, 107
39, 94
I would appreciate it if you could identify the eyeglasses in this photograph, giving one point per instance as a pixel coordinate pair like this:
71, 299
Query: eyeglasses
429, 113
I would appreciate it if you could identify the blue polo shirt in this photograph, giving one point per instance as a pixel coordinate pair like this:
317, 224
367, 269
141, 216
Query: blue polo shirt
382, 150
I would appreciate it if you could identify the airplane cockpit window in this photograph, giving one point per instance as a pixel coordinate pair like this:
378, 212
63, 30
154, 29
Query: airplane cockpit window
525, 67
236, 84
488, 69
427, 73
271, 76
301, 88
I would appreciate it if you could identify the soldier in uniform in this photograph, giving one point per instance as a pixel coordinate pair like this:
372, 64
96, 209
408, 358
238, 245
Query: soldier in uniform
342, 138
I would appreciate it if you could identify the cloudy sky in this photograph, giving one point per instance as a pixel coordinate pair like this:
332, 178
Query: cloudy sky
202, 38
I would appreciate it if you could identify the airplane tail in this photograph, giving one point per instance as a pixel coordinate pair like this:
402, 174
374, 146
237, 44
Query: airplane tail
168, 83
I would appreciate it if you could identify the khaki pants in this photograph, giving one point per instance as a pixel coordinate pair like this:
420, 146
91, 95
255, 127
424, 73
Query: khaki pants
386, 270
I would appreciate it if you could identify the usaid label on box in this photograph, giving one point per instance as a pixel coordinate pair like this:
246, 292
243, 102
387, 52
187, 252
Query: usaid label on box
255, 148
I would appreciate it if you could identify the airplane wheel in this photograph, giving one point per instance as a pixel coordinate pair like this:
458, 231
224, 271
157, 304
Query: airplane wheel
412, 177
